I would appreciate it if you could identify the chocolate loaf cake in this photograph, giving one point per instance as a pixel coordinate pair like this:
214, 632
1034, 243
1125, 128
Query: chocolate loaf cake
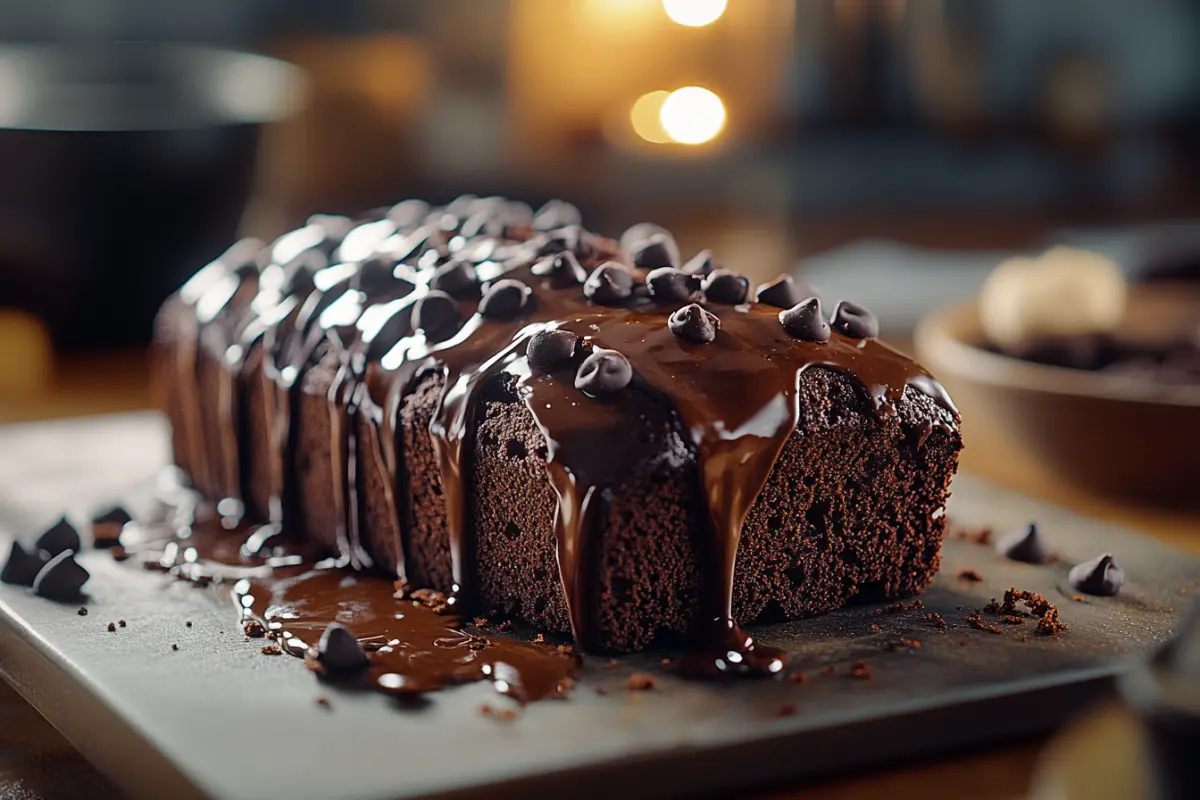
543, 423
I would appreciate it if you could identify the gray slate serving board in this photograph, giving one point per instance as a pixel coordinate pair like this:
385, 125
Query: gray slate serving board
218, 719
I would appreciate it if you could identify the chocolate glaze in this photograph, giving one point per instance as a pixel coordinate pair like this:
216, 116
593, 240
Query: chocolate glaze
736, 397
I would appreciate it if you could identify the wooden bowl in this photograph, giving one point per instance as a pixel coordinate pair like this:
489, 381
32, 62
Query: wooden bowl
1102, 432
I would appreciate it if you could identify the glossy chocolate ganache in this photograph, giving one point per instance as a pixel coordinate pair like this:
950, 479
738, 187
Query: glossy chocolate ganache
590, 331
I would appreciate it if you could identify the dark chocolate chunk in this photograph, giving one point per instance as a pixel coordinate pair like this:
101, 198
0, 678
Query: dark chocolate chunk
550, 348
562, 267
22, 566
571, 238
1027, 545
61, 578
656, 250
695, 324
781, 292
805, 321
556, 214
456, 278
1099, 576
375, 275
639, 233
437, 315
339, 651
505, 299
59, 537
610, 284
670, 285
851, 319
115, 515
701, 264
603, 372
723, 286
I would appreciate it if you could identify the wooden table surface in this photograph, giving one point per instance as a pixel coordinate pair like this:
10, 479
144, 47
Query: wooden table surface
38, 764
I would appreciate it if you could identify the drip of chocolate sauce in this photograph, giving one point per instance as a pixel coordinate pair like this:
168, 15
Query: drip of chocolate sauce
736, 398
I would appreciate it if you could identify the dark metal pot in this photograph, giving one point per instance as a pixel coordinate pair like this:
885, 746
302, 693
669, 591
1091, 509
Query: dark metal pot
124, 167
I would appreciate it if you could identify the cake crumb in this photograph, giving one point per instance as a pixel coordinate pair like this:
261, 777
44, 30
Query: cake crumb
902, 644
611, 664
539, 639
798, 677
1012, 619
565, 649
787, 710
862, 670
975, 620
993, 607
601, 690
253, 629
971, 576
978, 535
899, 608
323, 702
432, 599
641, 682
188, 623
1079, 598
111, 627
174, 647
120, 623
1048, 622
82, 611
481, 622
505, 626
1024, 637
829, 670
936, 620
498, 714
119, 554
270, 650
875, 629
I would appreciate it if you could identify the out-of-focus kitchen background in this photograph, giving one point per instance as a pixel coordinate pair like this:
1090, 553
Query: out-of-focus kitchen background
825, 136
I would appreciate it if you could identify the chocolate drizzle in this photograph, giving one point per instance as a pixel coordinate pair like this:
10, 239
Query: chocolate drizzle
736, 398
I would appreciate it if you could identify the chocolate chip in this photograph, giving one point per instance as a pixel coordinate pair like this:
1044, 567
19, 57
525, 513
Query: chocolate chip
59, 537
339, 651
456, 278
609, 285
603, 372
556, 214
700, 264
1099, 576
639, 233
61, 578
656, 250
505, 299
437, 315
851, 319
1027, 545
22, 566
805, 321
695, 324
782, 292
375, 275
550, 348
563, 268
571, 238
670, 285
723, 286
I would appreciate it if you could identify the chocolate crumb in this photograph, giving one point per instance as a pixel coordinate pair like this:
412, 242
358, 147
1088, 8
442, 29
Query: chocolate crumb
119, 554
188, 623
787, 710
111, 627
641, 681
1012, 619
902, 644
936, 620
975, 620
979, 535
565, 649
970, 575
323, 702
798, 677
993, 607
829, 670
480, 622
875, 629
253, 629
862, 670
121, 623
610, 664
899, 608
539, 639
1047, 614
174, 647
498, 714
270, 650
1023, 638
506, 626
1079, 598
82, 611
601, 690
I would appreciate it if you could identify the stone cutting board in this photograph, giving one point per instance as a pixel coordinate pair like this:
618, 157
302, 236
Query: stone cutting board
218, 719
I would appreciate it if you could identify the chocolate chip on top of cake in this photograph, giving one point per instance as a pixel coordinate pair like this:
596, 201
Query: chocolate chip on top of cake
546, 424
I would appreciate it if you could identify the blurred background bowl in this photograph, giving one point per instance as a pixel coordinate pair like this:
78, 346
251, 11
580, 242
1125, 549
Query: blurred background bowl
1113, 434
125, 166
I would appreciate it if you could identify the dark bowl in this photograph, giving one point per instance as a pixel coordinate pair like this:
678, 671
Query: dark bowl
124, 167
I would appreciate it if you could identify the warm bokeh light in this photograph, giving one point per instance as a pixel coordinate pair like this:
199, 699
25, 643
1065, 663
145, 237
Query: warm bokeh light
694, 13
692, 115
646, 116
